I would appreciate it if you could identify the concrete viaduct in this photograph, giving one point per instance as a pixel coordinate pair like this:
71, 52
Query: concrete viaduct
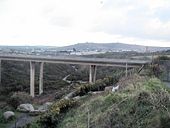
92, 62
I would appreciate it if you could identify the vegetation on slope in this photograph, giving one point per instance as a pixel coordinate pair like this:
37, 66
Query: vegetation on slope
141, 104
54, 114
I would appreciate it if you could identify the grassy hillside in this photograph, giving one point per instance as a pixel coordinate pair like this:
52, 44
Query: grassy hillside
141, 103
110, 46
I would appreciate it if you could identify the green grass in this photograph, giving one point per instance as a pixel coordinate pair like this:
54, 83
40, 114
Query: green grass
144, 106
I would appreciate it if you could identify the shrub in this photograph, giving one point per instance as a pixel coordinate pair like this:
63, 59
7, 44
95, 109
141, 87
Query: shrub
2, 120
162, 58
54, 114
19, 98
98, 86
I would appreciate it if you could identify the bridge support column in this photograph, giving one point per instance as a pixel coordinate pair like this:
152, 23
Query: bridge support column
92, 73
41, 78
32, 78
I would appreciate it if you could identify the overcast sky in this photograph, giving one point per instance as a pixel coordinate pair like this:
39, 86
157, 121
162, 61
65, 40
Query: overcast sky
65, 22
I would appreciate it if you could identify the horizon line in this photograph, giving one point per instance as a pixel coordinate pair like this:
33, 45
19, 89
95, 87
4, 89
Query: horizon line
26, 45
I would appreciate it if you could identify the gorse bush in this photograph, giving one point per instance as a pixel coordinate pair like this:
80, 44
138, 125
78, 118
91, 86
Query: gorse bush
98, 86
54, 114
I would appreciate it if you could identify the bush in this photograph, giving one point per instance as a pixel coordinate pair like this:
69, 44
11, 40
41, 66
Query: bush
2, 120
54, 115
98, 86
159, 58
19, 98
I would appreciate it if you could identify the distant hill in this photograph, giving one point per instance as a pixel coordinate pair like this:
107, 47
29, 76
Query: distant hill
111, 47
99, 47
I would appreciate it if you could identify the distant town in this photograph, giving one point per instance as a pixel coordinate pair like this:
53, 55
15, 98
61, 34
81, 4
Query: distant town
78, 49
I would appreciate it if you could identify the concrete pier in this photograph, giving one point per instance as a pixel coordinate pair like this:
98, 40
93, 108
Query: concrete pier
32, 79
92, 73
41, 78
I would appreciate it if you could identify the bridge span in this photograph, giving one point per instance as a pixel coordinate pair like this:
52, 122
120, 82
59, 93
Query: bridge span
92, 62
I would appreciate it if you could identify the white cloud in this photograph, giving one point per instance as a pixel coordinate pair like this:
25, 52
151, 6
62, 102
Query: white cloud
64, 22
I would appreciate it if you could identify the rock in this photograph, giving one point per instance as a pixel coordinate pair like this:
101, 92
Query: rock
115, 88
70, 95
45, 106
108, 89
42, 109
25, 108
77, 98
8, 115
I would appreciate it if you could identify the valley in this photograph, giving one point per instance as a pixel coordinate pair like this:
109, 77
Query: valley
68, 85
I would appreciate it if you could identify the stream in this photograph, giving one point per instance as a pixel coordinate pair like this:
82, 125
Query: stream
22, 120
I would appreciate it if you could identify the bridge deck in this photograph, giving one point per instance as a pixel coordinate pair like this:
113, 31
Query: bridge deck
75, 60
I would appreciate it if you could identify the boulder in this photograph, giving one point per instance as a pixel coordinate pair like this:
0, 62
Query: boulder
108, 89
42, 109
8, 115
70, 95
25, 108
77, 98
45, 106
